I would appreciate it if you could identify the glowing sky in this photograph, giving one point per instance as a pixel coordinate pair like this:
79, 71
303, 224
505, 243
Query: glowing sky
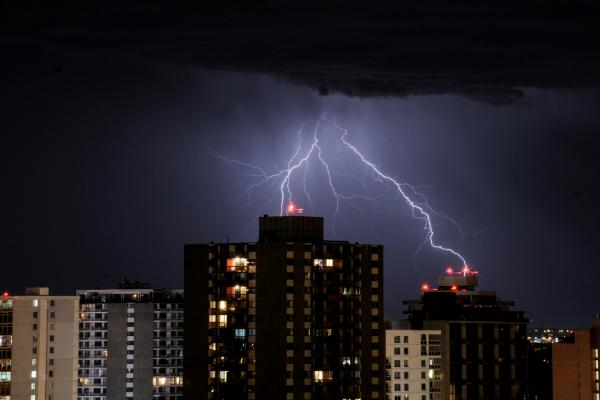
103, 120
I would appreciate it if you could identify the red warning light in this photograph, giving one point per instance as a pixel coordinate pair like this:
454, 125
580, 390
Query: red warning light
453, 288
5, 294
291, 209
425, 287
449, 271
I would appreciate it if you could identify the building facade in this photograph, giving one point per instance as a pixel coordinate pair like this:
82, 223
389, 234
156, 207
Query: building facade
575, 369
413, 363
130, 343
38, 346
291, 316
483, 345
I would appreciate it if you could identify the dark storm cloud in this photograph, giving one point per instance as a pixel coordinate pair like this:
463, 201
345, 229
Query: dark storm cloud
483, 51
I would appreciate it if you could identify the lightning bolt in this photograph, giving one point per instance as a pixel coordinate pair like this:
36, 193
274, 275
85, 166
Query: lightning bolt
396, 197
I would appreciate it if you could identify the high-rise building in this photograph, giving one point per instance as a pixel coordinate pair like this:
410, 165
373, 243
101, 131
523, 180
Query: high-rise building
38, 346
575, 369
411, 372
483, 343
291, 316
130, 343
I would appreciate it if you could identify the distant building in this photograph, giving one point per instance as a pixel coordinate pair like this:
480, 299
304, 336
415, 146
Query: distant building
413, 359
575, 371
38, 346
130, 343
547, 335
291, 316
483, 343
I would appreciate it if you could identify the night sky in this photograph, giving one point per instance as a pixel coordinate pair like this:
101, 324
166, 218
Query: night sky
491, 113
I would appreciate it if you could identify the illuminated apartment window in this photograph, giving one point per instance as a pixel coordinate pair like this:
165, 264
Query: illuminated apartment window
51, 327
329, 263
222, 305
33, 386
34, 374
34, 361
35, 303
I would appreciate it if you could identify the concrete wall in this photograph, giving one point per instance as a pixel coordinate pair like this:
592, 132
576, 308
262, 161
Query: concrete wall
116, 362
144, 351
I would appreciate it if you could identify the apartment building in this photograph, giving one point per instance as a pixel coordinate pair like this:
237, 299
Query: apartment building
413, 363
38, 346
130, 343
290, 316
575, 365
483, 343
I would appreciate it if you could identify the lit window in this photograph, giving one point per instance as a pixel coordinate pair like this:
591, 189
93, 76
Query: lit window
35, 303
51, 327
222, 305
212, 318
34, 374
33, 386
223, 320
32, 397
213, 304
223, 376
34, 361
329, 263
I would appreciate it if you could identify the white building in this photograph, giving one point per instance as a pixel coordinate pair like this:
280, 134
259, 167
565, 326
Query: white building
413, 363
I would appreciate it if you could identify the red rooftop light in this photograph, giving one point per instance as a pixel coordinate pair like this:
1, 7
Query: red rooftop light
293, 210
453, 288
425, 287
